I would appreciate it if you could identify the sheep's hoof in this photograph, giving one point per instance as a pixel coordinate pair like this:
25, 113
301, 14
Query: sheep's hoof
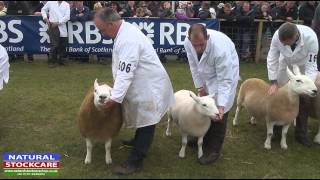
168, 133
182, 155
108, 161
317, 139
234, 123
267, 146
87, 161
284, 147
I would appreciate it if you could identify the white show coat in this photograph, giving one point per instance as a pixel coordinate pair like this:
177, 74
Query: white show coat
141, 83
304, 55
218, 69
4, 66
57, 13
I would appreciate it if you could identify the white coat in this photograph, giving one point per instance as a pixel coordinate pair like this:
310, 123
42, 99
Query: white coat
58, 13
304, 55
218, 69
141, 83
4, 66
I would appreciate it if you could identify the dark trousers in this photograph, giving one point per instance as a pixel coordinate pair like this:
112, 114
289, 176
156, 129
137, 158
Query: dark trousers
301, 128
302, 118
57, 46
142, 143
214, 138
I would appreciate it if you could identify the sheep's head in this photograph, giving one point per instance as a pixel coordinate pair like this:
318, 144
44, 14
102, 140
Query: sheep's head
101, 93
301, 84
206, 105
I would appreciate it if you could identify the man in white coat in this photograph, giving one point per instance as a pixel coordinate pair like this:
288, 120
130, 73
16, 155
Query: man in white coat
141, 84
294, 44
59, 15
4, 66
214, 66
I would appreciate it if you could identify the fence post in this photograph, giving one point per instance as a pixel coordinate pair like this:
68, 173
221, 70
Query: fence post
258, 45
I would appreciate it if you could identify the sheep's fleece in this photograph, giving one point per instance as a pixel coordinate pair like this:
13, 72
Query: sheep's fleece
4, 66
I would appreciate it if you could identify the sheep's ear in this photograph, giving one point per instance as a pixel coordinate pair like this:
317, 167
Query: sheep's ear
195, 98
296, 69
96, 83
290, 74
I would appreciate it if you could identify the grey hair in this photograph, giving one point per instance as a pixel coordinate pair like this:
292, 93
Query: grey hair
287, 31
108, 15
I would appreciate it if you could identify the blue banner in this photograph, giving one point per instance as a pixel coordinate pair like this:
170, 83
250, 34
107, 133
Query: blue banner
28, 34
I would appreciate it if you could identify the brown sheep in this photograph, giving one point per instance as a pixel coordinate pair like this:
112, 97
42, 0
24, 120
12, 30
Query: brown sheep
98, 123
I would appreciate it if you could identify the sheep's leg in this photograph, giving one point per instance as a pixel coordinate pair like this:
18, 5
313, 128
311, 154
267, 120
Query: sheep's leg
267, 144
168, 132
200, 142
235, 119
284, 137
253, 121
108, 154
89, 151
182, 152
317, 137
294, 122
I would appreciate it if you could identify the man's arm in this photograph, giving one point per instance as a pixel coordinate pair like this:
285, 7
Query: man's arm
198, 82
66, 15
273, 63
311, 69
128, 61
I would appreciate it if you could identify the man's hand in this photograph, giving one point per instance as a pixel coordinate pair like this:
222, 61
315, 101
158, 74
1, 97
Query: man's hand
220, 116
46, 20
202, 92
273, 88
109, 103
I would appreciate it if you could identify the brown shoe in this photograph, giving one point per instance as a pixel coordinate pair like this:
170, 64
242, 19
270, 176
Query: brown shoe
126, 169
209, 158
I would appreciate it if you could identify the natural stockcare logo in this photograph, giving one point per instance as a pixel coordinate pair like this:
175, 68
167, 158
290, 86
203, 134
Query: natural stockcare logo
30, 164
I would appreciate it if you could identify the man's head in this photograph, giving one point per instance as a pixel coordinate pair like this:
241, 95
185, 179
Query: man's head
279, 3
198, 37
79, 5
246, 6
290, 4
108, 22
1, 5
227, 8
288, 33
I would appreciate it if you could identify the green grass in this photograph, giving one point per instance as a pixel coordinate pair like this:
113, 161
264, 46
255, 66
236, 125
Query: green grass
38, 114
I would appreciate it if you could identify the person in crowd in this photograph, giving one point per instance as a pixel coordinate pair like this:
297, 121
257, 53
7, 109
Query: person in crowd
228, 16
3, 9
129, 9
291, 11
206, 12
184, 10
144, 6
56, 14
306, 12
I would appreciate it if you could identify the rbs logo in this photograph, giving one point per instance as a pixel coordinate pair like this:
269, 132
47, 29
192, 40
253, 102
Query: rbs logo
16, 38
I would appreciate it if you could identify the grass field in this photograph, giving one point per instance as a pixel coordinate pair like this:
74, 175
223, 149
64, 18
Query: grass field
38, 114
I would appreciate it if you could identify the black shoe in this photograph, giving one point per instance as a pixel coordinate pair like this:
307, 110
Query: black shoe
126, 169
209, 158
304, 141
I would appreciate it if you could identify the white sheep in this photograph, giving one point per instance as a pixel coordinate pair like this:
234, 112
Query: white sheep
98, 123
192, 115
315, 109
280, 108
4, 66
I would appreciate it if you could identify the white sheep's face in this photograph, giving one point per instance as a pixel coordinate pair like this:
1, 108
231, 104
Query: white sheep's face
301, 84
206, 105
101, 93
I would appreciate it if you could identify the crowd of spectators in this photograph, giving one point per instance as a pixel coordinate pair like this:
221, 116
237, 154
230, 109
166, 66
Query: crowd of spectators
239, 14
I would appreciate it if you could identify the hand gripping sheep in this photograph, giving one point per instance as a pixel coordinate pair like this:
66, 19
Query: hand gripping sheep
98, 123
280, 108
192, 115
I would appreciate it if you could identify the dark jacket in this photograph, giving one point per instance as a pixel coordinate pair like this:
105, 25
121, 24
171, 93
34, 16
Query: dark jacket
19, 8
306, 13
204, 14
166, 13
245, 18
74, 12
227, 17
293, 12
278, 13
